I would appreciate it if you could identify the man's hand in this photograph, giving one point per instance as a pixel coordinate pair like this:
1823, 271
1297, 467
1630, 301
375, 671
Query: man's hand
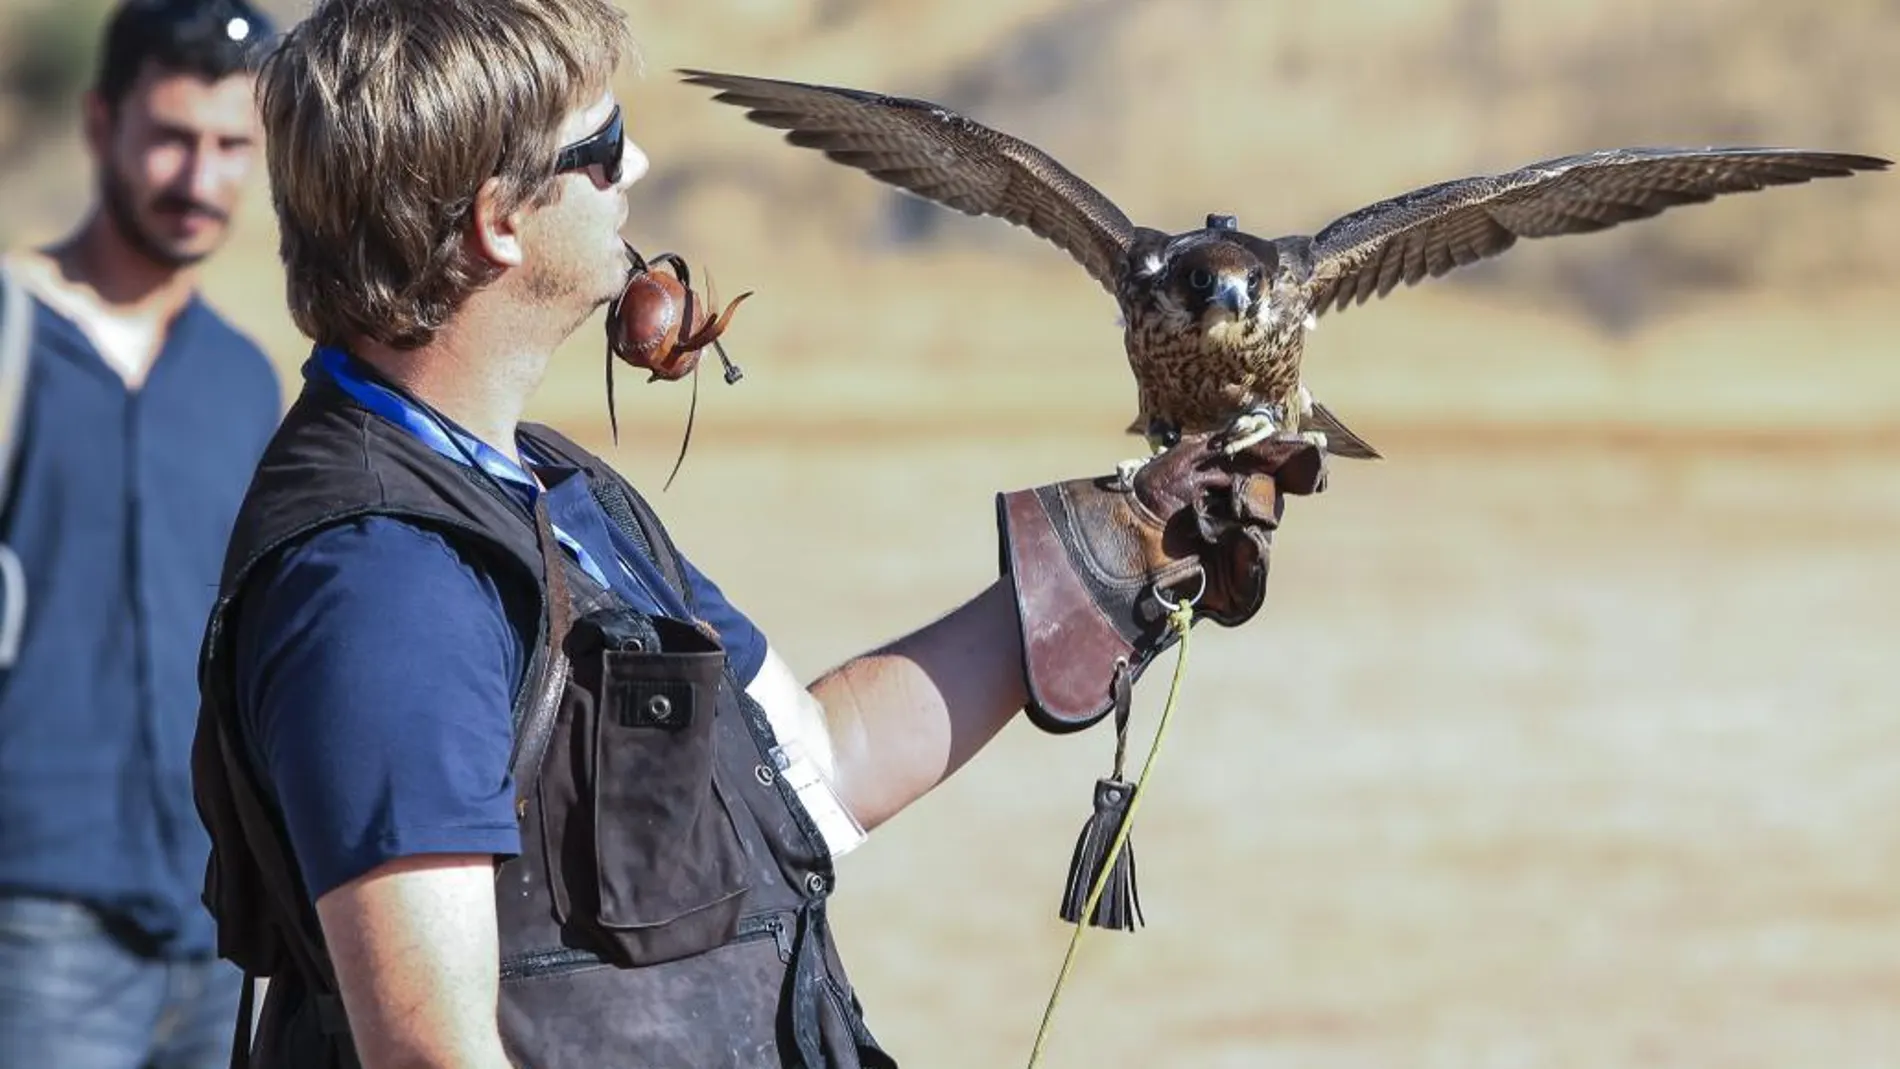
1081, 560
416, 954
1097, 563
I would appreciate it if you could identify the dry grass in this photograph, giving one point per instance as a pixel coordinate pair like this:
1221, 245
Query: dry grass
1570, 736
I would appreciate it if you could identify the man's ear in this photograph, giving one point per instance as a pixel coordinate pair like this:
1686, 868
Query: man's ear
497, 236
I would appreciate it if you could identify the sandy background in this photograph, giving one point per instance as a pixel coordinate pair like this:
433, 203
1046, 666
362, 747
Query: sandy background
1570, 737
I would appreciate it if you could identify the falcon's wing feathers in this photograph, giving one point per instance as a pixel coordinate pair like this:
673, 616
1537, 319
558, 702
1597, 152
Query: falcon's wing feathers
941, 156
1434, 229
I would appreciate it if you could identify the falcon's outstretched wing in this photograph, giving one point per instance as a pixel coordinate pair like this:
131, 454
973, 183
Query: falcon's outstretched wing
942, 156
1432, 230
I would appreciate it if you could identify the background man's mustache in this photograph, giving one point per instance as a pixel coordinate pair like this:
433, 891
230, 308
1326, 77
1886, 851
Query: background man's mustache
183, 205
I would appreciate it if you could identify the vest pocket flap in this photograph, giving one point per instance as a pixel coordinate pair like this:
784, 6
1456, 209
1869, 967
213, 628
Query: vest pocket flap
664, 691
658, 690
618, 630
665, 705
671, 871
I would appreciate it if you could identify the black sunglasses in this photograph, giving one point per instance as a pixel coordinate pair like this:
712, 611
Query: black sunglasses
605, 148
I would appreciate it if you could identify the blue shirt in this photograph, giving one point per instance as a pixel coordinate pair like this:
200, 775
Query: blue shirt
377, 663
123, 502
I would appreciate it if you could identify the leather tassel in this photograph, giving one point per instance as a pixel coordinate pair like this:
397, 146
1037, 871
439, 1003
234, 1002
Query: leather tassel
1120, 904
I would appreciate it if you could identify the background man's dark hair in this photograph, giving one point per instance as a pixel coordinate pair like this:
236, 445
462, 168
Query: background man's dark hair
208, 38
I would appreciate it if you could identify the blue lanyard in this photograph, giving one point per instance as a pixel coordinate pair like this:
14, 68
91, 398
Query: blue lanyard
436, 434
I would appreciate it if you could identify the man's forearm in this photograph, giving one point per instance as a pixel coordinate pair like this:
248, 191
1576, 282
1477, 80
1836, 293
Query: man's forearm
905, 716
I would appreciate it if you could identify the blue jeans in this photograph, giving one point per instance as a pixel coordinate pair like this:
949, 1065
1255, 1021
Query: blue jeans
74, 996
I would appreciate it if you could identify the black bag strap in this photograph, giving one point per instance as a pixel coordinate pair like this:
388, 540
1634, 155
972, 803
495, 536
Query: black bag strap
536, 725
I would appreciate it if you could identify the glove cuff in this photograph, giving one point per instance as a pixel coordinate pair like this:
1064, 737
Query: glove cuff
1070, 645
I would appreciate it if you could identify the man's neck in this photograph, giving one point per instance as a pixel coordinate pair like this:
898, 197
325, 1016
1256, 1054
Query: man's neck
114, 295
479, 370
119, 278
119, 298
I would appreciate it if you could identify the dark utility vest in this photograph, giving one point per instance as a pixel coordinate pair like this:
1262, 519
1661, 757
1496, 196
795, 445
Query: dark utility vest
668, 904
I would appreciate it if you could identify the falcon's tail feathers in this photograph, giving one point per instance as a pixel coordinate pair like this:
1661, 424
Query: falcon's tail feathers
1340, 439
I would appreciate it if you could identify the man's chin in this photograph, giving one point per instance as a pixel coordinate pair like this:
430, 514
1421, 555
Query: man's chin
613, 286
174, 241
177, 253
179, 259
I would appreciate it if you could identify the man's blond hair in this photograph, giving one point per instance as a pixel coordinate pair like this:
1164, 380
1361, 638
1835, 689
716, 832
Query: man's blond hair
383, 118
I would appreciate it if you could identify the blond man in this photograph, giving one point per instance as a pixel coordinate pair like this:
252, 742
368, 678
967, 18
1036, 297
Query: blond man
494, 774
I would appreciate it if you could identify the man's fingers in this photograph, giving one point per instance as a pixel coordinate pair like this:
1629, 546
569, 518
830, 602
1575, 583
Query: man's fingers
1295, 465
1256, 500
1238, 580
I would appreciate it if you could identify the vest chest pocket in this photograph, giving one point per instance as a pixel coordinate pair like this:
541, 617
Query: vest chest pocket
651, 858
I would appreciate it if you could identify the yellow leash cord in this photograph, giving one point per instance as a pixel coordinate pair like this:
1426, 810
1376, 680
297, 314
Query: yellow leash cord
1181, 619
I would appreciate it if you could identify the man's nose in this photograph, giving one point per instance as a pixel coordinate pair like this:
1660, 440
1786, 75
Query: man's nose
205, 174
633, 163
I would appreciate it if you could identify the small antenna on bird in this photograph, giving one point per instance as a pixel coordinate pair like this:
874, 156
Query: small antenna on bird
1222, 222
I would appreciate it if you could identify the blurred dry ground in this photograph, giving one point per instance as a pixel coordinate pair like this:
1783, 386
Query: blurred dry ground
1570, 736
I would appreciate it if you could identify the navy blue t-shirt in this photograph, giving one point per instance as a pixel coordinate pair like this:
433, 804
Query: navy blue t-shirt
376, 670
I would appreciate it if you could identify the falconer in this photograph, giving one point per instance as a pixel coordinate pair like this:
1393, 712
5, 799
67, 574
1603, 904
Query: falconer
495, 775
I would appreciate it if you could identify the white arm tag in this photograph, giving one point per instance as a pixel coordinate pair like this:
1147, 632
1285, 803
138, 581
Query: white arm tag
803, 756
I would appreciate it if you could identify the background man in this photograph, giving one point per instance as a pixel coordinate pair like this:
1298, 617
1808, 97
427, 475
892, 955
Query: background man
143, 418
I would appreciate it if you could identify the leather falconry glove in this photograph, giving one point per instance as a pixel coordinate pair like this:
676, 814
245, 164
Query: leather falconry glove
1092, 560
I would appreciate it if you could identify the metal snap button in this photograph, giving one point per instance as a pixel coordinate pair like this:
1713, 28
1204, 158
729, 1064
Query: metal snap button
765, 775
660, 708
815, 884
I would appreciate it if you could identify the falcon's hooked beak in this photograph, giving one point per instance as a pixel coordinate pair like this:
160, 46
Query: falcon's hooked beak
1231, 293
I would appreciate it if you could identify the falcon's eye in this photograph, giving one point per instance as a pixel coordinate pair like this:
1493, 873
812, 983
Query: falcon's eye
1200, 280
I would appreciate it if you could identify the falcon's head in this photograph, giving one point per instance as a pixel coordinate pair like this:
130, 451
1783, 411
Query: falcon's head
1206, 281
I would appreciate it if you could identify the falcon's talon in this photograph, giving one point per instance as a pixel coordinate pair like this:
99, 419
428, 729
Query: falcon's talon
1125, 473
1248, 429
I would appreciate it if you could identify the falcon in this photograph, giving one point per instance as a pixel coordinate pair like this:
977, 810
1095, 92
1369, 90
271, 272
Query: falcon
1215, 318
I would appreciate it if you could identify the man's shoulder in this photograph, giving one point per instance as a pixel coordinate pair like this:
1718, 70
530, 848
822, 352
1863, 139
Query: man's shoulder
225, 332
379, 566
236, 350
389, 554
330, 458
388, 576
